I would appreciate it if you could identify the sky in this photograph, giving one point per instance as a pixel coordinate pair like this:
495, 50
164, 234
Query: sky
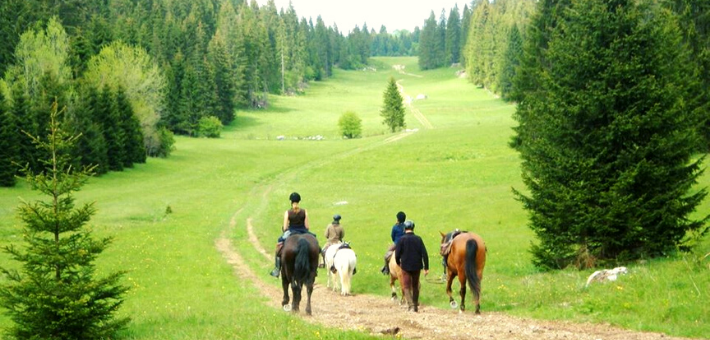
394, 14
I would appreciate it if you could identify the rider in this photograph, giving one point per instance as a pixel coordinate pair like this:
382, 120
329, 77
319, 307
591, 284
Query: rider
334, 233
295, 222
395, 234
412, 257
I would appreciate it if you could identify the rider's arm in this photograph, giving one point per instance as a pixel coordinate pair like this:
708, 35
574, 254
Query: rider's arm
306, 220
285, 227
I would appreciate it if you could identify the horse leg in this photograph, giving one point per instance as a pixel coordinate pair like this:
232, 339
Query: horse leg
285, 284
450, 279
478, 295
296, 288
392, 286
462, 292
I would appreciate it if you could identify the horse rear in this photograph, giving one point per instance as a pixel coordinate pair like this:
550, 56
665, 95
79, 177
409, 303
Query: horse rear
466, 258
344, 263
299, 258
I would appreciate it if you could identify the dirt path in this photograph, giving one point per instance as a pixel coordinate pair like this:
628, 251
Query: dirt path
379, 315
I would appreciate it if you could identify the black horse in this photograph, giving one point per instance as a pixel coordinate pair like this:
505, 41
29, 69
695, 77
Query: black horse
299, 259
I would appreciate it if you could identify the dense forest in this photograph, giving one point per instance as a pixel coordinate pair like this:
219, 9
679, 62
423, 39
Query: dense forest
128, 75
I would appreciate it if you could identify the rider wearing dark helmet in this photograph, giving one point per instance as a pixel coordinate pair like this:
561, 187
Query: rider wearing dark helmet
411, 256
334, 233
295, 222
395, 234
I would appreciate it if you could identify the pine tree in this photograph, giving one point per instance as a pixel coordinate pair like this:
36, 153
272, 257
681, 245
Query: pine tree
511, 61
25, 126
55, 295
9, 151
134, 146
453, 37
392, 109
90, 148
112, 131
606, 143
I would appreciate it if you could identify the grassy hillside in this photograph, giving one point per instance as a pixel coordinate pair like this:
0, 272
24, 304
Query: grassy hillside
455, 172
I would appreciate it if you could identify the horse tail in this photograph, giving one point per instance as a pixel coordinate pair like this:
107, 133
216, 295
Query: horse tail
302, 265
472, 277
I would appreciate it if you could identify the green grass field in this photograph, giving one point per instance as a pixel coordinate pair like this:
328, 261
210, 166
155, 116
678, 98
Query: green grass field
457, 174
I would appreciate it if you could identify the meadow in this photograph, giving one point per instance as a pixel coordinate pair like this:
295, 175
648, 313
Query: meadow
165, 215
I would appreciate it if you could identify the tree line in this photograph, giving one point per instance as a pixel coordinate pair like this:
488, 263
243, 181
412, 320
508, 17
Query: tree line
184, 67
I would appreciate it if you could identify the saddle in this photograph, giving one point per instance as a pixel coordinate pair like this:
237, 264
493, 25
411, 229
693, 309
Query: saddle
344, 245
446, 247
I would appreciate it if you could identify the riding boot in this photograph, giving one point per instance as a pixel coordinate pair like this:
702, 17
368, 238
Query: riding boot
277, 262
386, 269
277, 269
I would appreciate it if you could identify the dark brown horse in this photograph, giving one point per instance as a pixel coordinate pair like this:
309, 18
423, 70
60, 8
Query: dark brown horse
299, 258
465, 257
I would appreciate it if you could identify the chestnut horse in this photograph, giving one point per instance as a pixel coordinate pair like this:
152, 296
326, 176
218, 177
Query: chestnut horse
299, 259
465, 257
395, 274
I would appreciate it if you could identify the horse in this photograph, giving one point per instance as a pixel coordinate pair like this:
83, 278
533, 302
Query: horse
465, 257
395, 274
340, 260
299, 259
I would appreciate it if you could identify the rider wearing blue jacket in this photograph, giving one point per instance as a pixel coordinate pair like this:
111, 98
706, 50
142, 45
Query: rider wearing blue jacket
396, 233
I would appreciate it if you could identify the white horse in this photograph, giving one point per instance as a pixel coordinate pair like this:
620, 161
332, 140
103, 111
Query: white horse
340, 262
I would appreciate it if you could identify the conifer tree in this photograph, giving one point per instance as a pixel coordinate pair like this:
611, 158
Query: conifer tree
112, 131
9, 152
25, 126
134, 146
392, 109
453, 36
606, 142
90, 148
511, 61
55, 294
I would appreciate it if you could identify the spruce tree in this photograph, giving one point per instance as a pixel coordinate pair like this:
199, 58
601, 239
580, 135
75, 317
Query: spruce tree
392, 109
453, 37
511, 61
606, 142
25, 126
113, 133
55, 294
134, 146
9, 151
90, 149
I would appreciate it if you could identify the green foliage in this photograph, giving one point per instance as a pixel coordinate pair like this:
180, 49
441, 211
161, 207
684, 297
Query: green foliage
605, 140
119, 65
511, 62
453, 37
55, 295
350, 125
90, 149
9, 151
210, 127
392, 111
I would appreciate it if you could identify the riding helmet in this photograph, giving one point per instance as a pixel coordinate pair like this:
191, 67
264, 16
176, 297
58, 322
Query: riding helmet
409, 225
401, 216
336, 218
295, 197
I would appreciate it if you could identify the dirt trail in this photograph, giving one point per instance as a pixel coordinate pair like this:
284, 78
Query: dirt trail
379, 315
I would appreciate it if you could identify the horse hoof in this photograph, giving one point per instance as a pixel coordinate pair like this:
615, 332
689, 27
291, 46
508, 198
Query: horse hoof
453, 304
287, 308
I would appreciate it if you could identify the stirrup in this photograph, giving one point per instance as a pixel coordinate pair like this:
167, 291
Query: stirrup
275, 272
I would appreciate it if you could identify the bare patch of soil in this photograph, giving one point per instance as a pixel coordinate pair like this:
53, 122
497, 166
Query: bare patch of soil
378, 315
